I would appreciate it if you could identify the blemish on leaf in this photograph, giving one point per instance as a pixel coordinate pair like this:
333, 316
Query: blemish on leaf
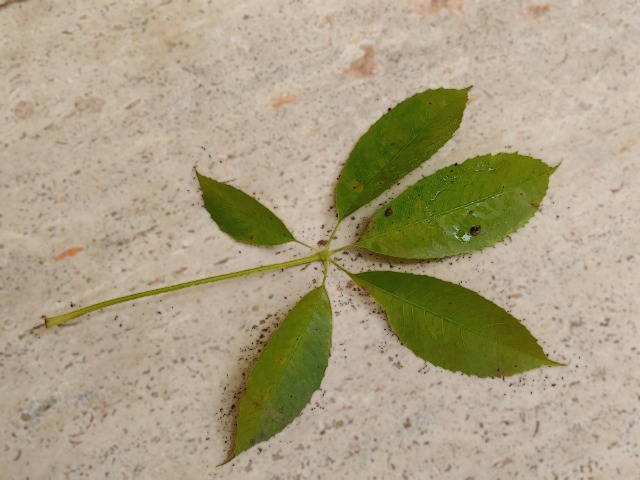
475, 230
357, 186
388, 212
322, 243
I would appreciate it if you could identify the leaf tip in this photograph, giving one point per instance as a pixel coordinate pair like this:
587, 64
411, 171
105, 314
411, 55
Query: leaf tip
199, 176
231, 456
552, 363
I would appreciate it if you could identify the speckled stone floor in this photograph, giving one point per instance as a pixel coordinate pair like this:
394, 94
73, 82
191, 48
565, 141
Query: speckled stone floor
106, 107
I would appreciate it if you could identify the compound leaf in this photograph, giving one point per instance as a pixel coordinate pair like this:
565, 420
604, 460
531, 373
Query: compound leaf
460, 209
453, 327
288, 371
399, 142
242, 216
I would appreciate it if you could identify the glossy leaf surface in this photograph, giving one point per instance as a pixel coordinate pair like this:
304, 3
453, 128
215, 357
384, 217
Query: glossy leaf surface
288, 371
453, 327
398, 143
242, 216
460, 208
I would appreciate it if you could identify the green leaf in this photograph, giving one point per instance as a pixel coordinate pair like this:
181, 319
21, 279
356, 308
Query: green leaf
460, 209
453, 327
399, 142
288, 371
242, 216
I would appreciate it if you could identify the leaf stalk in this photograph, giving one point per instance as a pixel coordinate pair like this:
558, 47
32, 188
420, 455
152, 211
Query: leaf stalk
57, 320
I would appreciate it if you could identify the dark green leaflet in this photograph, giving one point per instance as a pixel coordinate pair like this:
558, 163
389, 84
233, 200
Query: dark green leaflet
453, 327
398, 143
242, 216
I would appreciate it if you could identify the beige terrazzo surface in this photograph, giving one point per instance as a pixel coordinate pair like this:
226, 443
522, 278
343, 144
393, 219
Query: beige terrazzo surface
106, 107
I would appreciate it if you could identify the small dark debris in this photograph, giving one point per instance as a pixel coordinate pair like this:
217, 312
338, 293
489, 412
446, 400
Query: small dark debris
388, 212
475, 230
322, 243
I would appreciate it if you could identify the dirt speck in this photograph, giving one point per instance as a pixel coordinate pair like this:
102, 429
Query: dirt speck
23, 109
70, 252
284, 99
422, 7
537, 11
6, 3
91, 104
364, 66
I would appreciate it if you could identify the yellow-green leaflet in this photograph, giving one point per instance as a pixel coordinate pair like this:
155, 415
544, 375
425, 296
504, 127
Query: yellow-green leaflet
242, 216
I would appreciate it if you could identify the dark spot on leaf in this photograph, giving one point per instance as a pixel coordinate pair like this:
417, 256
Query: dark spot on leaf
475, 230
251, 237
322, 243
388, 212
470, 212
535, 205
